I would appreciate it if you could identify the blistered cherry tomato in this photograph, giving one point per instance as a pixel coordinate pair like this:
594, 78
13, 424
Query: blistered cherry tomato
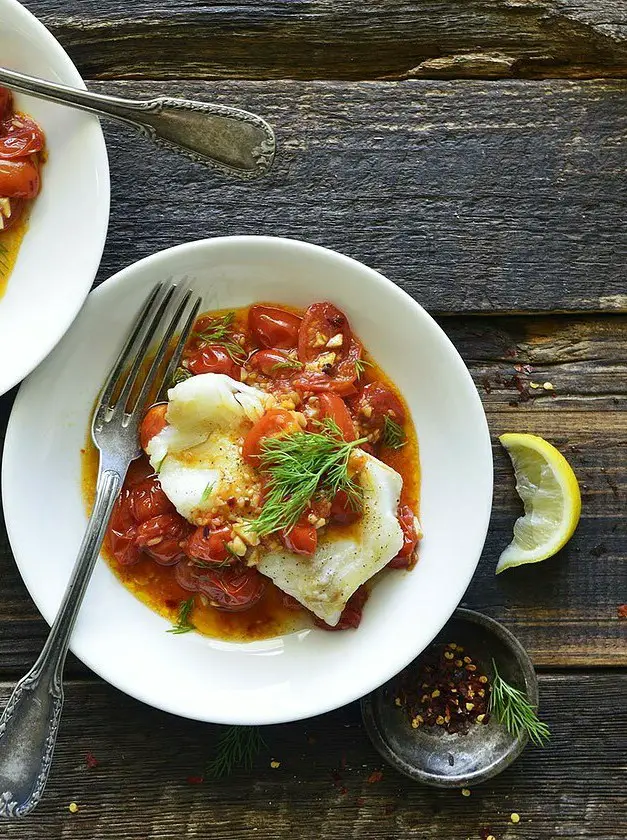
120, 537
19, 178
339, 377
351, 614
377, 401
147, 499
232, 589
274, 423
186, 575
342, 511
276, 364
334, 407
301, 539
405, 557
20, 136
274, 327
154, 422
5, 101
163, 537
321, 323
213, 359
210, 545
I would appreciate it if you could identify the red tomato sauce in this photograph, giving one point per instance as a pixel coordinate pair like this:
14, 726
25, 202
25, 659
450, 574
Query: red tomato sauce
22, 150
282, 351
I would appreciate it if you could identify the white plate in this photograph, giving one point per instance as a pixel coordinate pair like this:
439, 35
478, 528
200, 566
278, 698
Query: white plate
284, 678
61, 251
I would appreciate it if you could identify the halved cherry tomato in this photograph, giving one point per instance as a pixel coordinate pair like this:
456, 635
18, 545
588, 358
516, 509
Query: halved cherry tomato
213, 359
154, 422
301, 539
334, 407
351, 615
233, 589
163, 537
339, 377
377, 401
19, 178
20, 136
5, 101
274, 327
274, 423
186, 574
321, 323
342, 511
210, 545
120, 537
147, 500
276, 364
405, 557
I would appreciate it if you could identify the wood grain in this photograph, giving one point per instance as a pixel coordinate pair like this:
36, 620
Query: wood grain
341, 39
140, 788
564, 610
471, 196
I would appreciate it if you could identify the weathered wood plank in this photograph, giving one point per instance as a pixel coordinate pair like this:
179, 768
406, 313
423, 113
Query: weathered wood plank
471, 196
564, 610
341, 39
139, 790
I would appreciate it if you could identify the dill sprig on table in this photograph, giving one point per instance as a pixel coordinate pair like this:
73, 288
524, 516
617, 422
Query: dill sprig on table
393, 433
299, 467
183, 624
237, 746
220, 331
512, 709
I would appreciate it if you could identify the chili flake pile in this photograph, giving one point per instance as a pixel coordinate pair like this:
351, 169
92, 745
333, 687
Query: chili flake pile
447, 690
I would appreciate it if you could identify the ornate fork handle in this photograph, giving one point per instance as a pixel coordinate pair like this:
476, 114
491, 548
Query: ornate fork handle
30, 722
232, 140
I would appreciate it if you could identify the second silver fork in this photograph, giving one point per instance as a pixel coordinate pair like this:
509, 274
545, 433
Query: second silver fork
30, 721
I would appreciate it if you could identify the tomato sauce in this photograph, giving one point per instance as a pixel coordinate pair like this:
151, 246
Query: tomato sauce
281, 373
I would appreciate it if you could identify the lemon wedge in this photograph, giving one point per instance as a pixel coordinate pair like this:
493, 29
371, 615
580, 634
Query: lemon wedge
547, 485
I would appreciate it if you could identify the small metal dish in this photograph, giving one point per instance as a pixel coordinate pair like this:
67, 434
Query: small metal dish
433, 756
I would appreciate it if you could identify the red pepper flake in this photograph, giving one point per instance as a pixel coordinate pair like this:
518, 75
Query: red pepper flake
375, 776
91, 761
622, 611
195, 780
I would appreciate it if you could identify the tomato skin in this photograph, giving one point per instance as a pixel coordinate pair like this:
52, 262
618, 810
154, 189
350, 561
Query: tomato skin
147, 500
301, 539
213, 359
163, 537
19, 178
340, 378
20, 136
276, 422
122, 530
351, 615
186, 575
276, 364
334, 407
342, 511
210, 545
378, 401
321, 322
274, 327
17, 208
232, 589
153, 423
405, 557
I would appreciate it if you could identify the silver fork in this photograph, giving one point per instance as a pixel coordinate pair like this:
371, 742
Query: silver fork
30, 722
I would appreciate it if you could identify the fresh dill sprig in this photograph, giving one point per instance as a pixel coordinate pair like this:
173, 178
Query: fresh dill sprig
207, 492
393, 433
180, 375
361, 365
183, 624
288, 364
4, 258
299, 467
159, 465
512, 709
220, 331
237, 746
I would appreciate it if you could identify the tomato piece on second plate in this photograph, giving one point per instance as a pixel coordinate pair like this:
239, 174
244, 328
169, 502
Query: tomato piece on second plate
406, 556
209, 546
154, 422
274, 423
334, 407
213, 359
163, 537
19, 178
274, 327
233, 589
301, 539
20, 136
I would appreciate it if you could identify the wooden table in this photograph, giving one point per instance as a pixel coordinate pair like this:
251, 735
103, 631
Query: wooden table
474, 152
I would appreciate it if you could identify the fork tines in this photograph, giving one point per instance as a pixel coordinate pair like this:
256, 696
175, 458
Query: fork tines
169, 310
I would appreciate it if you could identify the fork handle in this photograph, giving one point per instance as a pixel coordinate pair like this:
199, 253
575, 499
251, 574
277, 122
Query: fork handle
235, 141
30, 721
